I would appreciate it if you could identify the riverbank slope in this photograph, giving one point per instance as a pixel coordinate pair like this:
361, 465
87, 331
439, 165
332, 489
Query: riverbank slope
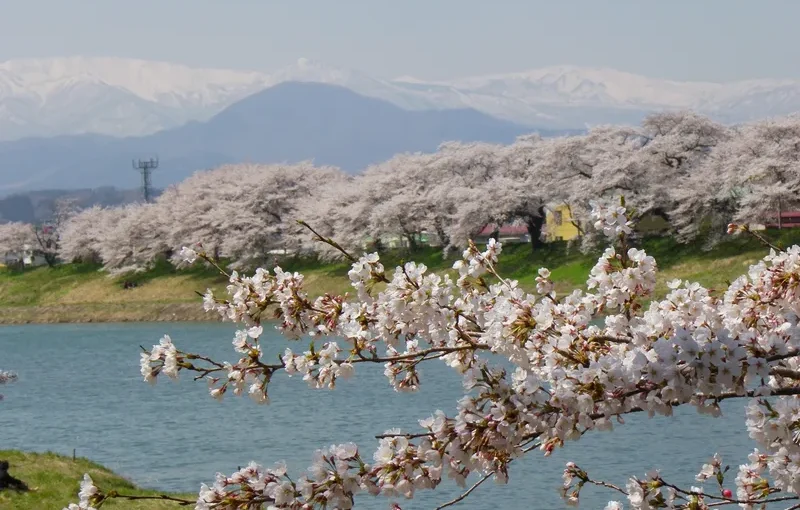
83, 293
56, 481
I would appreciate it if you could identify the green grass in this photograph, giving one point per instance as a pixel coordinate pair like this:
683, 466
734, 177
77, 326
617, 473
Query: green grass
55, 482
82, 293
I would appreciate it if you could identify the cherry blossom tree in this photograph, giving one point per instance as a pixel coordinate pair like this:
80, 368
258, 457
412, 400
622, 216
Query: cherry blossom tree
657, 166
750, 177
48, 235
678, 150
262, 219
471, 189
81, 234
763, 163
16, 238
594, 167
579, 363
132, 238
678, 143
342, 209
706, 201
529, 183
245, 213
393, 211
197, 197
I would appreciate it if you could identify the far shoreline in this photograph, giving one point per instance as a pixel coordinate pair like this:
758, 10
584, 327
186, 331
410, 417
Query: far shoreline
105, 313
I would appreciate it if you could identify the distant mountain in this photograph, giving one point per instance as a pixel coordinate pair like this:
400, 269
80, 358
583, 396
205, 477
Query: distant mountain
126, 97
120, 97
289, 122
38, 206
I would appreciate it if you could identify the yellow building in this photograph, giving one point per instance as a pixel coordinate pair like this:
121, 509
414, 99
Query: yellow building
558, 225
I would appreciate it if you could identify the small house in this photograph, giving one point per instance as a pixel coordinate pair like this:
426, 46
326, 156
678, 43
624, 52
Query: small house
27, 257
559, 225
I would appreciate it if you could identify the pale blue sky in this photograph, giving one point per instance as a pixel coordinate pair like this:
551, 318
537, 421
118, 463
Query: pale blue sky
680, 39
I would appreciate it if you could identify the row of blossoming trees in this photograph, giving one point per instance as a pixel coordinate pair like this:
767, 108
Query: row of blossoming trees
573, 365
578, 364
697, 174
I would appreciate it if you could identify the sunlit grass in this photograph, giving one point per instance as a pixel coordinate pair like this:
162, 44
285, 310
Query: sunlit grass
81, 293
55, 482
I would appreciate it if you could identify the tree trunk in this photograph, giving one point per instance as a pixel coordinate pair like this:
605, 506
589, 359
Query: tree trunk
377, 245
535, 224
412, 241
443, 237
51, 259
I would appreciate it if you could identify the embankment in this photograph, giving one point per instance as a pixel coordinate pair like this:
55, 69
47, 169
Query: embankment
80, 293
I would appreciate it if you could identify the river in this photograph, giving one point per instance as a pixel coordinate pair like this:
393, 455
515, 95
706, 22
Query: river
79, 388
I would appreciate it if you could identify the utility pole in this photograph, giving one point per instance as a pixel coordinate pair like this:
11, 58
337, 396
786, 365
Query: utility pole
146, 167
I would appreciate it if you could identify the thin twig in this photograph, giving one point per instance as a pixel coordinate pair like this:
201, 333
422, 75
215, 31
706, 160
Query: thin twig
467, 493
727, 501
407, 436
785, 372
328, 241
763, 240
606, 485
160, 497
479, 482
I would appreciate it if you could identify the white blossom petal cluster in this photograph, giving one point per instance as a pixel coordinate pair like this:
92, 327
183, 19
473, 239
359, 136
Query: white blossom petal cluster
162, 359
578, 362
7, 377
611, 221
87, 495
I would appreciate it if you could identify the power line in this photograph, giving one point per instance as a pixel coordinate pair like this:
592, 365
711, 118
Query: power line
146, 167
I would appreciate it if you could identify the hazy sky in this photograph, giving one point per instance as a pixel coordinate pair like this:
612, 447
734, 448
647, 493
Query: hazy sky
715, 40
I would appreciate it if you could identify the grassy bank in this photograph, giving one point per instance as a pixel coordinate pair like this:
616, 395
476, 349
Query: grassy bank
82, 293
55, 480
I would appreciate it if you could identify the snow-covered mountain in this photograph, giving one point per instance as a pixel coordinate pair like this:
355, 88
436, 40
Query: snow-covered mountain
121, 97
125, 97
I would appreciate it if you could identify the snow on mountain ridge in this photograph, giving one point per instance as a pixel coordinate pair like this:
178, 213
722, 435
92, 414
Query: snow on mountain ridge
147, 79
608, 86
124, 97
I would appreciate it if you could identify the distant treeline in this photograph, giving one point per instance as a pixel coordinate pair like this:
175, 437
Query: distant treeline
39, 206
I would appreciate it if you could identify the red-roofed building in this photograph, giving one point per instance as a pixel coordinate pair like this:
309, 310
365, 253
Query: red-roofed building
505, 234
788, 219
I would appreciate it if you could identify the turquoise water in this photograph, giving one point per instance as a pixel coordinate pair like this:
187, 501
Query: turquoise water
79, 388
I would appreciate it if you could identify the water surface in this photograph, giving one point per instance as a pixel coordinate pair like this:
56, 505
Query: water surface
79, 388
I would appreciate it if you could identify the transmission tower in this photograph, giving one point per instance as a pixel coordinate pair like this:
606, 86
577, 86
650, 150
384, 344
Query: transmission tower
146, 167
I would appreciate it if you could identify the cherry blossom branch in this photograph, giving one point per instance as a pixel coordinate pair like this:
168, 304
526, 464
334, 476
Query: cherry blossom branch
91, 496
569, 374
466, 494
477, 484
328, 241
734, 227
160, 497
722, 500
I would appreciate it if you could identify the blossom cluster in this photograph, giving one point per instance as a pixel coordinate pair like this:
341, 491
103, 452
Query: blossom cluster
578, 363
163, 358
88, 496
6, 377
611, 221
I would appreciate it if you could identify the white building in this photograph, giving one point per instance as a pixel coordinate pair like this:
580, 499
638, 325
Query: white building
28, 257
